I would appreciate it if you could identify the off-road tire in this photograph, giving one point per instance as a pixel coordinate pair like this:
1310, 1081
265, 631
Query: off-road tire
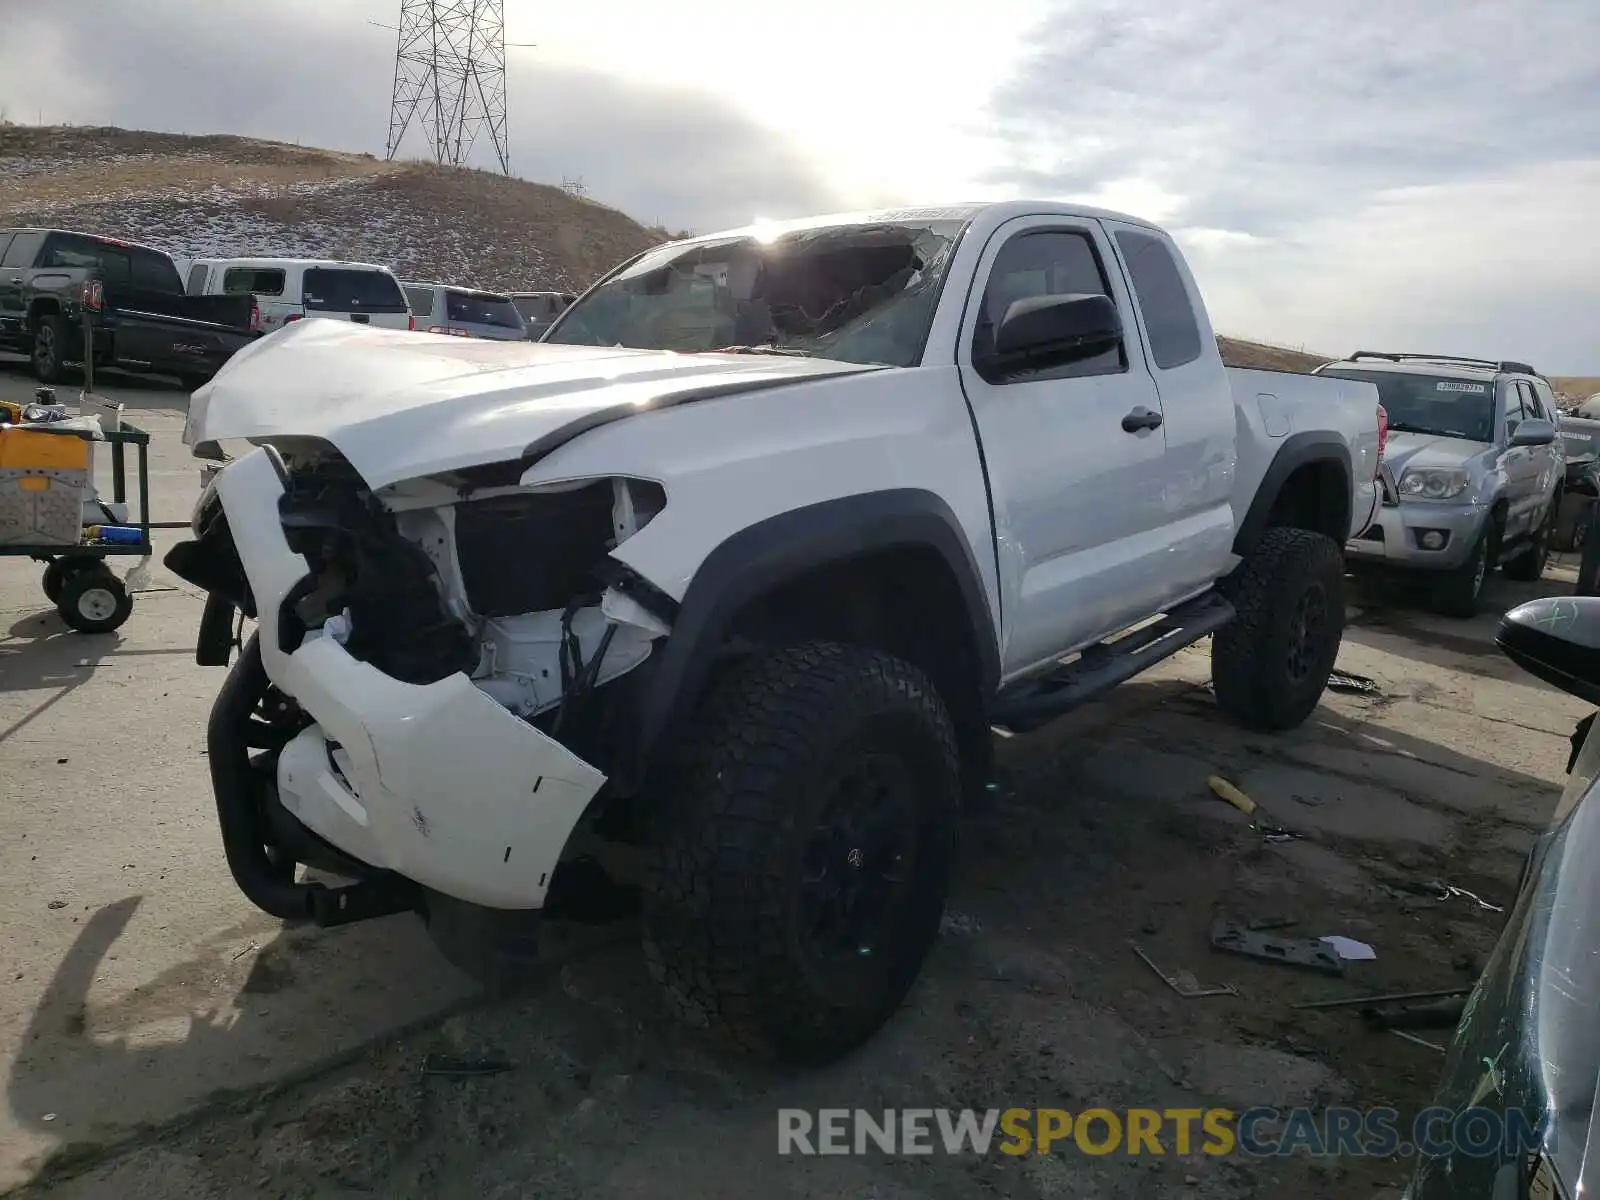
1457, 593
94, 601
48, 356
724, 914
1529, 563
1252, 656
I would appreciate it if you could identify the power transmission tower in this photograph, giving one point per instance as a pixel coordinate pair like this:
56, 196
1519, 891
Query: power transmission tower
450, 76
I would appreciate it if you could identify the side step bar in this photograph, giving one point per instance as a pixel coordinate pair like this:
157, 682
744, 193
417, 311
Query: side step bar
1035, 702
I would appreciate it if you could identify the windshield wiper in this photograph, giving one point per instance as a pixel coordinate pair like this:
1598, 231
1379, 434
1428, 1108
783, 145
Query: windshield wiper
784, 351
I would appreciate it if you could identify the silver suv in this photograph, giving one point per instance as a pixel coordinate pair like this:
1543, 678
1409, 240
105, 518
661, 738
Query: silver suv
1471, 473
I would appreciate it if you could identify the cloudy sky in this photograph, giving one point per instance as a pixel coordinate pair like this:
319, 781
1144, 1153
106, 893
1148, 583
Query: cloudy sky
1413, 174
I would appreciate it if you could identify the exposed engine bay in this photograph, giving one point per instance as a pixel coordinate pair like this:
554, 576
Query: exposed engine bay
510, 586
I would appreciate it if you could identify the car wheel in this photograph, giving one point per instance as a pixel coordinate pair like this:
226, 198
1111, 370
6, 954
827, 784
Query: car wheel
94, 601
1529, 563
1270, 664
1456, 593
49, 350
802, 860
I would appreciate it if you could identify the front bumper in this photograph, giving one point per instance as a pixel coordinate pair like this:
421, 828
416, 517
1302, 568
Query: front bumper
436, 783
1396, 536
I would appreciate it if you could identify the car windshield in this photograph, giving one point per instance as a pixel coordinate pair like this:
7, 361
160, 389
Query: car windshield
1436, 404
856, 293
482, 308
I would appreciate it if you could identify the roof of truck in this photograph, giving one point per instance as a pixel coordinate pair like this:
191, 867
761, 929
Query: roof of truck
996, 211
291, 262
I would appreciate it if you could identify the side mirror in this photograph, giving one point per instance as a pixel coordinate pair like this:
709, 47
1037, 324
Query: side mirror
1053, 331
1556, 639
1533, 432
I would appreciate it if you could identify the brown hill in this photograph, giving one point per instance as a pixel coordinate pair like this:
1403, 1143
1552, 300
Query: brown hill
228, 196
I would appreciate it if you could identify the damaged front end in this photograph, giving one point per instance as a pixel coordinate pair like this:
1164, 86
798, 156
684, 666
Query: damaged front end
435, 670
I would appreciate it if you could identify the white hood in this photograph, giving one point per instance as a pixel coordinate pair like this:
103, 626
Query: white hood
403, 405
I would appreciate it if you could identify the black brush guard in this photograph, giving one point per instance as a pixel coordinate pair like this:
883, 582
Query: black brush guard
264, 842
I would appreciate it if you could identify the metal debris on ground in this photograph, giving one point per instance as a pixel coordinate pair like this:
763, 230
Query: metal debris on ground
1435, 1014
1345, 681
1297, 952
1260, 924
1411, 1037
1184, 983
1384, 998
1269, 830
1435, 889
463, 1068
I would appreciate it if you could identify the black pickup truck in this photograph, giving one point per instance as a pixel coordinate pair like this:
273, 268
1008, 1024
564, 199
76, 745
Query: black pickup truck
141, 318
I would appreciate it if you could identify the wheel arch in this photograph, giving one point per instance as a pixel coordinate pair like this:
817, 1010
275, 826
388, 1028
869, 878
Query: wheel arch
1307, 485
796, 574
43, 306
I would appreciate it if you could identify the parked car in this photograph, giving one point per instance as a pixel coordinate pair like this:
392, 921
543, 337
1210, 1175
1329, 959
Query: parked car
290, 289
739, 567
539, 309
142, 320
465, 312
1580, 444
1474, 472
1526, 1053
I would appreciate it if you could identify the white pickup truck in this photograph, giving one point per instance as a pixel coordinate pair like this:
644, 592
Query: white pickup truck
733, 575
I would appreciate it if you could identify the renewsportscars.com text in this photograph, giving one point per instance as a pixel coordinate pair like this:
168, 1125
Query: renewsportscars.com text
1254, 1132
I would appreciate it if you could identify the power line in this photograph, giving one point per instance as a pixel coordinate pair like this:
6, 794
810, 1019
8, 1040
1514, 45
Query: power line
450, 78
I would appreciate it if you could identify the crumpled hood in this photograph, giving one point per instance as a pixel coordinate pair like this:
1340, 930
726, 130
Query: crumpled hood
403, 405
1405, 450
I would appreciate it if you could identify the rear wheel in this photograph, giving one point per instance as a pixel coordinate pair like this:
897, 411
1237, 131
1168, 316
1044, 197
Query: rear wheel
802, 862
1270, 664
60, 570
50, 350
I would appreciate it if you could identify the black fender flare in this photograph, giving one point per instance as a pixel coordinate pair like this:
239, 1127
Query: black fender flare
761, 557
1298, 450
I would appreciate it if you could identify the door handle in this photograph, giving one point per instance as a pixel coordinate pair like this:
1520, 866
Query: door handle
1141, 418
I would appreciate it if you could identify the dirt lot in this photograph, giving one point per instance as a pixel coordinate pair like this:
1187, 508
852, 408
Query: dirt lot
206, 1052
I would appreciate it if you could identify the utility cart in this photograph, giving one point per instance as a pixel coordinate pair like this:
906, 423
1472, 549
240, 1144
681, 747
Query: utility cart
46, 490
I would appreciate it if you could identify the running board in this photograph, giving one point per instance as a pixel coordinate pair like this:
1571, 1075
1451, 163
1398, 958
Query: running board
1029, 704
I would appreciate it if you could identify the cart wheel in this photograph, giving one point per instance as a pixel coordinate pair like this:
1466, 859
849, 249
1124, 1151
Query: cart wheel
94, 601
60, 570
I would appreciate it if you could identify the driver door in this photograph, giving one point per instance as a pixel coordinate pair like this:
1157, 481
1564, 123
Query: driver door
1077, 497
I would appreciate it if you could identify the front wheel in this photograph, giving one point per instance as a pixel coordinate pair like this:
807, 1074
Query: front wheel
1269, 665
802, 862
1529, 563
1456, 593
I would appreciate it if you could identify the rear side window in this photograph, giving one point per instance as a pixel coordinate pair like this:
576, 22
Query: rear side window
253, 281
342, 289
1163, 300
197, 279
23, 250
113, 262
481, 308
420, 299
5, 244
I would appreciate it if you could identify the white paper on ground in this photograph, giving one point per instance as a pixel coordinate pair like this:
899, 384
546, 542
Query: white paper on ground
1348, 948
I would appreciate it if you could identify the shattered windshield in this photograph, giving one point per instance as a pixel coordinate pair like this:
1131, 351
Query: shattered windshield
855, 293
